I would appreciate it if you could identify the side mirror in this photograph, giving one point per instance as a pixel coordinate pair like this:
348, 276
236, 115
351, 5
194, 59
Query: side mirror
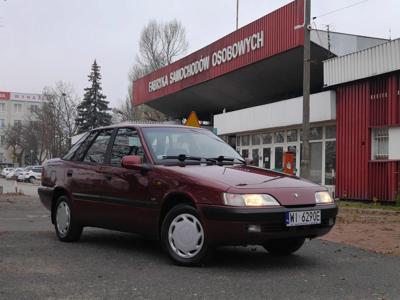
133, 162
248, 161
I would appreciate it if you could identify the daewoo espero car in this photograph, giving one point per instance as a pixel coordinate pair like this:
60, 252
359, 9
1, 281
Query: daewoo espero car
183, 186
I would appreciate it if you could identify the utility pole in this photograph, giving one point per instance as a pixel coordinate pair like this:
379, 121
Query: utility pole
305, 157
237, 14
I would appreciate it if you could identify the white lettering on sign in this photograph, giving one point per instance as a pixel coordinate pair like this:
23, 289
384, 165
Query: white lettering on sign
242, 47
158, 83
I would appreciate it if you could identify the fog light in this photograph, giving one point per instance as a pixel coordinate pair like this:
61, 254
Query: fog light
254, 228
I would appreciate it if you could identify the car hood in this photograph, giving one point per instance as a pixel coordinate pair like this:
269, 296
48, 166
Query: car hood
289, 190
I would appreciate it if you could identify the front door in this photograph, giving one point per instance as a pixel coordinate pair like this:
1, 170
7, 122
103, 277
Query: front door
127, 190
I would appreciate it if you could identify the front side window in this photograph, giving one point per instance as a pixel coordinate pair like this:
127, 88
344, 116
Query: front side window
380, 142
97, 151
127, 142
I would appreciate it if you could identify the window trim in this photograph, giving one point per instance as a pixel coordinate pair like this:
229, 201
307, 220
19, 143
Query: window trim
114, 136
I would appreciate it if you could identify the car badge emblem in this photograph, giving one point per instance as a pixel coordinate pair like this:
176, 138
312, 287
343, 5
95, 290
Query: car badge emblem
296, 195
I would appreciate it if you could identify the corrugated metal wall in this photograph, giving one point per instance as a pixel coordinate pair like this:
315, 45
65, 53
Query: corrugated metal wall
373, 61
279, 36
362, 106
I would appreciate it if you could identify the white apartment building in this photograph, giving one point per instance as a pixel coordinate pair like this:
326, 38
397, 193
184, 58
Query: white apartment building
14, 108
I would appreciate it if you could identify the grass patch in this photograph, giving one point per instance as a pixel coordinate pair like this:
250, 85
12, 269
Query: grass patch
356, 204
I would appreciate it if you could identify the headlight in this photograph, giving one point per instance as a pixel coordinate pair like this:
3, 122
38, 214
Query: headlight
250, 200
323, 198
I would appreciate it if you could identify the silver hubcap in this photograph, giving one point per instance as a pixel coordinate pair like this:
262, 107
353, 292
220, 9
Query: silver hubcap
63, 218
186, 235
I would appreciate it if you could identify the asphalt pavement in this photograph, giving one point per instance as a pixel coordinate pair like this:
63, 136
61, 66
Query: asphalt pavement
113, 265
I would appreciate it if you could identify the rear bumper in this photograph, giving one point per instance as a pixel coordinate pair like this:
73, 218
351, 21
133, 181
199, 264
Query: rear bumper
230, 225
46, 196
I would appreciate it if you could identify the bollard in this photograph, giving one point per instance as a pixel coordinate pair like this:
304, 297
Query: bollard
15, 187
1, 189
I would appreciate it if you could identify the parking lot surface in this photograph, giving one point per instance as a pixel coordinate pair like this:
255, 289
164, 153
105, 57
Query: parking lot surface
113, 265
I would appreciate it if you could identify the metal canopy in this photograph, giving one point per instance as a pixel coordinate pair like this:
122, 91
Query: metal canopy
273, 79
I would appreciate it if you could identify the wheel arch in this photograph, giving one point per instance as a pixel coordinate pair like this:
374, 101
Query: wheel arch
171, 200
58, 191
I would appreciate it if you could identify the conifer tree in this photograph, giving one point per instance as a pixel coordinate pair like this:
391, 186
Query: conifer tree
93, 110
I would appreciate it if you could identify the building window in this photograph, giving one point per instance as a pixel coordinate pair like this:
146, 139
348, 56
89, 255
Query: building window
291, 135
33, 108
330, 132
266, 138
238, 141
255, 139
2, 107
17, 108
330, 162
2, 140
245, 140
2, 123
315, 163
279, 137
380, 142
316, 133
17, 122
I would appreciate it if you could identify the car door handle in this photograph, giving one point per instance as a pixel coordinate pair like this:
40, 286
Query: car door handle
69, 173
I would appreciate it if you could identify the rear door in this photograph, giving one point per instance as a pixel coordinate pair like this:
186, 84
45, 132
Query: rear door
86, 182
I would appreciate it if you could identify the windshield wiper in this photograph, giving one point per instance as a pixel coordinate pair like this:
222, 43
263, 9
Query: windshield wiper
220, 159
184, 157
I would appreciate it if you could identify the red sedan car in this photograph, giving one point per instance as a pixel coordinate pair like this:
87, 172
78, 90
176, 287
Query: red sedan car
184, 186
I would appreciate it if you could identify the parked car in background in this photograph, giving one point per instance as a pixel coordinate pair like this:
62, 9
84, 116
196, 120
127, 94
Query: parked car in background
34, 174
184, 186
21, 176
5, 171
14, 174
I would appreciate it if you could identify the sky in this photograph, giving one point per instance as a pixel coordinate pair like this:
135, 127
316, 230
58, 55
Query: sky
45, 41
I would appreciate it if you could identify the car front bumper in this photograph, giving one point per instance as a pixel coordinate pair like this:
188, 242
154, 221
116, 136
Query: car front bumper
235, 225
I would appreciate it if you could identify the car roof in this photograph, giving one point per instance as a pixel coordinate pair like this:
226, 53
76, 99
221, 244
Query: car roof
145, 125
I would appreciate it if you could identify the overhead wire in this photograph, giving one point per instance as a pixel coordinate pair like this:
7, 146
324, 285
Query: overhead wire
339, 9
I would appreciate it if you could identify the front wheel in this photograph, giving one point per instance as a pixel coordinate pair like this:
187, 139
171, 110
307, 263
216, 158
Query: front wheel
183, 236
66, 226
284, 247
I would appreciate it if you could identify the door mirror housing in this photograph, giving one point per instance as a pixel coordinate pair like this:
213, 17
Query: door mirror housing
133, 162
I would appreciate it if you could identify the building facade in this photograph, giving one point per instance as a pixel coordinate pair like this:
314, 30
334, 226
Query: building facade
15, 108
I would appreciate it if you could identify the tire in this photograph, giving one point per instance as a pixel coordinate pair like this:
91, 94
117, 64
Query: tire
284, 247
186, 250
66, 226
31, 179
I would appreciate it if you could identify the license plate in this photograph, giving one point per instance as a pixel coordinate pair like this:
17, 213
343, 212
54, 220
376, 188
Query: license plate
306, 217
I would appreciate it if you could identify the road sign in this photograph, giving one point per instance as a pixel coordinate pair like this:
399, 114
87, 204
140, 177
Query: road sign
192, 120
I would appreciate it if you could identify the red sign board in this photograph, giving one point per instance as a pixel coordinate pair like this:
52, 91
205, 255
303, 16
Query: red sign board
270, 35
4, 95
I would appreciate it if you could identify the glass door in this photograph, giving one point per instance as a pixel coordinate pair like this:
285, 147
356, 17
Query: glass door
266, 158
255, 156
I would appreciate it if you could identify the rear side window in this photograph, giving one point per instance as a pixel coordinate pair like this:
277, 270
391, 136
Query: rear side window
97, 151
79, 148
127, 142
37, 170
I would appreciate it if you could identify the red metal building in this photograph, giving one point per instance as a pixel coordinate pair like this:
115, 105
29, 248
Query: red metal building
367, 87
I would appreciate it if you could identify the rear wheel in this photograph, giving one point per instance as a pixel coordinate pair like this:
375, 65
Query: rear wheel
183, 236
67, 228
284, 247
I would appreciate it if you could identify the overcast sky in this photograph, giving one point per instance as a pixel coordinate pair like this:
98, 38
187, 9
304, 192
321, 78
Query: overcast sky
45, 41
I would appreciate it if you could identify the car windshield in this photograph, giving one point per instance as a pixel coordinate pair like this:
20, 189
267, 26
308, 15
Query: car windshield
166, 144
